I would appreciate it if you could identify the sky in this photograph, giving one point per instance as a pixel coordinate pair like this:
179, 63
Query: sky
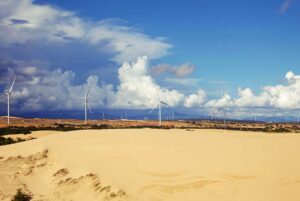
204, 53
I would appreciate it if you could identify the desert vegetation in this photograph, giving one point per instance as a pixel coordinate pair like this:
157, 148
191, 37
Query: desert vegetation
6, 141
26, 126
20, 196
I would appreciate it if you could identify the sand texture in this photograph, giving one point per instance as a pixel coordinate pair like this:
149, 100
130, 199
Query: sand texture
153, 165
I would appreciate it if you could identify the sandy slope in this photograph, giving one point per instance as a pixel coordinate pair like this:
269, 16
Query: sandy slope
156, 165
32, 135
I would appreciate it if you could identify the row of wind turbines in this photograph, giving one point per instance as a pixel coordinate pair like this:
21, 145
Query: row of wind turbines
87, 107
8, 93
159, 106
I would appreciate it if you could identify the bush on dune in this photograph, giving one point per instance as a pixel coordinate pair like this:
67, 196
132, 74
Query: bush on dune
20, 196
15, 130
5, 141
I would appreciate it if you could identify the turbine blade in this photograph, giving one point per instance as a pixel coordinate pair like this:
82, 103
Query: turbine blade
157, 93
12, 85
152, 109
217, 111
88, 91
88, 105
11, 97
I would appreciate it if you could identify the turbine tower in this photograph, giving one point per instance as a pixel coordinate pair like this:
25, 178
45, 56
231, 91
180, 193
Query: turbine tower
160, 102
8, 93
224, 110
86, 105
225, 115
159, 106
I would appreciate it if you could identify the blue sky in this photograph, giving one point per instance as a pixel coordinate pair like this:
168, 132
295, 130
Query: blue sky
233, 41
220, 45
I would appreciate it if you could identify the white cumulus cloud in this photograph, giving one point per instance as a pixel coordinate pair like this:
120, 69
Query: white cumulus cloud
38, 89
195, 100
139, 88
56, 89
279, 96
24, 21
225, 100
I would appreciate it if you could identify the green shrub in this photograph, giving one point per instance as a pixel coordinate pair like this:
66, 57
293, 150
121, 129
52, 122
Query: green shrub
15, 130
282, 130
20, 196
4, 141
100, 126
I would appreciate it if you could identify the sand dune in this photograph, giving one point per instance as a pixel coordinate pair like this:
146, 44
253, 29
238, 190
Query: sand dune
152, 164
32, 135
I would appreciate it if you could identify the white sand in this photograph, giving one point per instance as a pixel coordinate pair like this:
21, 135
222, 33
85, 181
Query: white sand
156, 165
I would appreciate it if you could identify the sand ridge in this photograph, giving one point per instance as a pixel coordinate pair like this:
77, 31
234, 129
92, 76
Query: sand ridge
24, 172
154, 164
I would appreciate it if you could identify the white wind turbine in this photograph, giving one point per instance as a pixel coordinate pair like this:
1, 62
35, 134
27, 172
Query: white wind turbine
224, 110
8, 93
159, 107
86, 105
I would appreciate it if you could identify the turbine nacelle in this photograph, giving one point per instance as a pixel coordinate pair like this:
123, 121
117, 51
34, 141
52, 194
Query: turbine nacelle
164, 103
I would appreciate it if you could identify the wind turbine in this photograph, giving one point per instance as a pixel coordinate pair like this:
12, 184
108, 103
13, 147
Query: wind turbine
224, 108
159, 107
8, 93
86, 105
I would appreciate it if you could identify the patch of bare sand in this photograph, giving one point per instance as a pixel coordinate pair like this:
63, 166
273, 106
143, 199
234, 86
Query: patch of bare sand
156, 165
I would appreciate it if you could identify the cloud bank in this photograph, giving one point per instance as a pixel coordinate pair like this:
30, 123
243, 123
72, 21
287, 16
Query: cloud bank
39, 89
280, 96
56, 89
25, 22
